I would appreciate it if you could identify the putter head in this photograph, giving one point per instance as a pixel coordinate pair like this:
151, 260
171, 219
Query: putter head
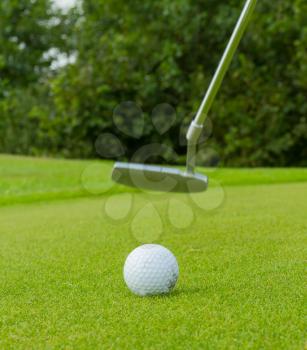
157, 178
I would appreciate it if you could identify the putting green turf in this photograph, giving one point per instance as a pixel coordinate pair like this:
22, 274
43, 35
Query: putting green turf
241, 282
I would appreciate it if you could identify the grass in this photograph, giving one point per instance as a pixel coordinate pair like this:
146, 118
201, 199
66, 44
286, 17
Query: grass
241, 282
25, 179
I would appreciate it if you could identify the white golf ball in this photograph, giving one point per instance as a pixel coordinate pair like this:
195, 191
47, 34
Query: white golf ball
151, 270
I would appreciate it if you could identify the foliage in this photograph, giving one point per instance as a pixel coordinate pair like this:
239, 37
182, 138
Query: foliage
166, 51
29, 32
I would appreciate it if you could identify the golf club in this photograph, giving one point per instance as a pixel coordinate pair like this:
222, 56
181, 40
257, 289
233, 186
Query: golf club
157, 178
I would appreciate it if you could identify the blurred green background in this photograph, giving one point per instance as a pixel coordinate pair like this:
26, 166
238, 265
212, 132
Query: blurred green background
62, 74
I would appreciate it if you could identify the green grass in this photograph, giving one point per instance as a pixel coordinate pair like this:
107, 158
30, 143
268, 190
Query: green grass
25, 179
241, 282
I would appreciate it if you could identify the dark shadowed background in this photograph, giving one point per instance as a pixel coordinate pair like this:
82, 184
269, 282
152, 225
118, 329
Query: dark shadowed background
63, 73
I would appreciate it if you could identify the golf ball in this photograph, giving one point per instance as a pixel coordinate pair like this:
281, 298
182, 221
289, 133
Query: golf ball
151, 270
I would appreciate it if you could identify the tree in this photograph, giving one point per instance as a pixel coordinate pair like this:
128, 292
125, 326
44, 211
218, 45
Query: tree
29, 29
153, 52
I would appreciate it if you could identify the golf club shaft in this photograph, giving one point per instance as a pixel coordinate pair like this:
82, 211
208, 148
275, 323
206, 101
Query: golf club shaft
196, 125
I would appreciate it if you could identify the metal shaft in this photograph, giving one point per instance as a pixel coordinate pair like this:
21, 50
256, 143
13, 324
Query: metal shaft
197, 124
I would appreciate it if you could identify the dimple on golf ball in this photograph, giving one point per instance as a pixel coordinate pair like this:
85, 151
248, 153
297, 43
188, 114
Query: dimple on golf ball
151, 269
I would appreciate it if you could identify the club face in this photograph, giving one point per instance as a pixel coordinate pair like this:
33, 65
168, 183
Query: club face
157, 178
